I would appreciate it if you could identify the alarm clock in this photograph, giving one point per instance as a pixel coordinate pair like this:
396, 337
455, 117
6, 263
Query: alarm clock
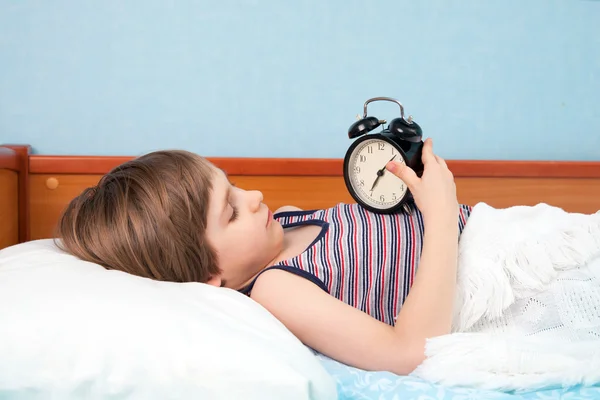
365, 175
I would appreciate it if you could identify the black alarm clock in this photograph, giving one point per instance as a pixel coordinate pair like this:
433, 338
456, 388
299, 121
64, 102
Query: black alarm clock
366, 178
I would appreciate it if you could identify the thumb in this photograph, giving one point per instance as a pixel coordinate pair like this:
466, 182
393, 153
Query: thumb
403, 172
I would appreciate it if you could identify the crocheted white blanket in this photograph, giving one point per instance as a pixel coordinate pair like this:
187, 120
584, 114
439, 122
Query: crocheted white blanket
527, 309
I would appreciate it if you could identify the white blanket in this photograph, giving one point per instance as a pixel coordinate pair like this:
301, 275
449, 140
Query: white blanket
527, 308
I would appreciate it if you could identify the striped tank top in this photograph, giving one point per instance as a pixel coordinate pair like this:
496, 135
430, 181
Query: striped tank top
364, 259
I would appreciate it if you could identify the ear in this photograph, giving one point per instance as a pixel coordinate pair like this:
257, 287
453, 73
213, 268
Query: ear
214, 281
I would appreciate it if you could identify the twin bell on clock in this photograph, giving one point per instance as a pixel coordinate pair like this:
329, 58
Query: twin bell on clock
366, 178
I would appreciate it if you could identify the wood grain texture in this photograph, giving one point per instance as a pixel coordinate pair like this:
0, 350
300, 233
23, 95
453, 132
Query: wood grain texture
9, 208
313, 192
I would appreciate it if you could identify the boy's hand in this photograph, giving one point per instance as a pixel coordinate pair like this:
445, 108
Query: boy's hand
435, 191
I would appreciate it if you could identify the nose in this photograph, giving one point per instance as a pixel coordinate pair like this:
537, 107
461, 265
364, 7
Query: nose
255, 199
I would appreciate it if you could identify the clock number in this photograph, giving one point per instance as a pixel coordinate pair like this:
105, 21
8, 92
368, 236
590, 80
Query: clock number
382, 198
394, 196
362, 182
381, 146
357, 169
362, 158
370, 149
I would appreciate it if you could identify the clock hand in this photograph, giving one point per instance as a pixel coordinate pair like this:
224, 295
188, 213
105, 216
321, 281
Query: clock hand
375, 183
380, 173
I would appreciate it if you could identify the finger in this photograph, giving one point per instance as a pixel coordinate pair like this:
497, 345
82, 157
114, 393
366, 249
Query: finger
404, 172
427, 155
440, 160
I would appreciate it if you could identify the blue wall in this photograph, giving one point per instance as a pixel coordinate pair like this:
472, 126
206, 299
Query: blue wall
507, 79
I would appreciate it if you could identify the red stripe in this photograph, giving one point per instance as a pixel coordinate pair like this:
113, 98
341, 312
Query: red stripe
370, 261
341, 251
329, 262
382, 294
356, 262
326, 216
412, 251
398, 265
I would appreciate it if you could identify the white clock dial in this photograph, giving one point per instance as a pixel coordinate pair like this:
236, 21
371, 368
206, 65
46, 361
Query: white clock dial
372, 183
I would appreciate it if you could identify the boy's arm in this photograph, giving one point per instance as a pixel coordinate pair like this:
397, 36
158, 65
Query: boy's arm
353, 337
428, 308
334, 328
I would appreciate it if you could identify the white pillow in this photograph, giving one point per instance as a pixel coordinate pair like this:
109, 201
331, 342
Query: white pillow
70, 329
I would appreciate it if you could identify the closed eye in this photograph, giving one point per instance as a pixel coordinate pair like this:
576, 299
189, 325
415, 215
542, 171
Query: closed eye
234, 214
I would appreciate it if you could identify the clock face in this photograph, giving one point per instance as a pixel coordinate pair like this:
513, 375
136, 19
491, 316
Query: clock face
374, 187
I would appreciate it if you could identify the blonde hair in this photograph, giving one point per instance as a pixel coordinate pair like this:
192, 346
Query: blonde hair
146, 217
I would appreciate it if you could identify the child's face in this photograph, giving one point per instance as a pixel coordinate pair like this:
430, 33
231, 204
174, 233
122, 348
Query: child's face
242, 230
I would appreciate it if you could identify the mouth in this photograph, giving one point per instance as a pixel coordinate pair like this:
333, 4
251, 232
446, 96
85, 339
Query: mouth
269, 217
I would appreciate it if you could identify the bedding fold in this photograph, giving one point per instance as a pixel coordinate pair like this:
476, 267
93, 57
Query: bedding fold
527, 306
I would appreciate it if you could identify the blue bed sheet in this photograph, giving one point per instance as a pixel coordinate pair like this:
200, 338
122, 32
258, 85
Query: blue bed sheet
356, 384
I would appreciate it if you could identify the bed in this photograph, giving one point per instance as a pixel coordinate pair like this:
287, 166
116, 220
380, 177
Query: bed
35, 188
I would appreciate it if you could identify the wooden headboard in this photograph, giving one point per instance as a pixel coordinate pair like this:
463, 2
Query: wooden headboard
13, 194
9, 200
52, 181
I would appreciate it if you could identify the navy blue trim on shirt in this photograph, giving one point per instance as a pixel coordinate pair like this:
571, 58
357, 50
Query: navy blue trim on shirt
296, 271
294, 213
324, 225
315, 221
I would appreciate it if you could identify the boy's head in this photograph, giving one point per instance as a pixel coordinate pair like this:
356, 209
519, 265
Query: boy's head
242, 230
168, 215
